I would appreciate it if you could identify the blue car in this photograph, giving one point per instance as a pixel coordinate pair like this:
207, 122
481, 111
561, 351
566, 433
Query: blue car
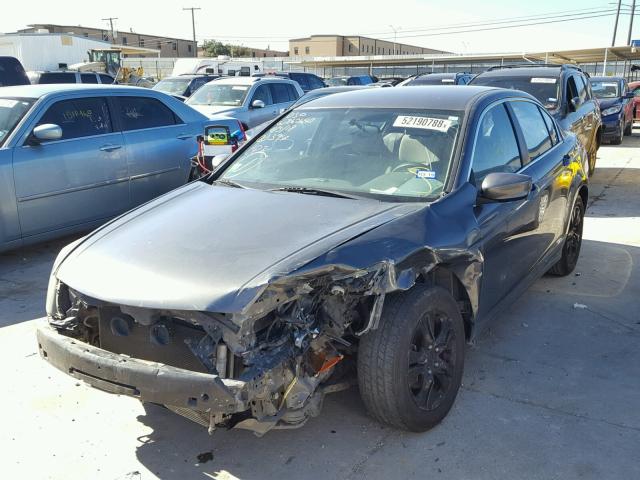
73, 156
616, 107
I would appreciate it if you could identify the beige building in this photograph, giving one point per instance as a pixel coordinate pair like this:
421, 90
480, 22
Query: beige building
348, 46
169, 47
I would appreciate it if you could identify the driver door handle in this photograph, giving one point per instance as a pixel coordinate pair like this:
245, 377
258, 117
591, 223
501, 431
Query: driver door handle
109, 148
184, 136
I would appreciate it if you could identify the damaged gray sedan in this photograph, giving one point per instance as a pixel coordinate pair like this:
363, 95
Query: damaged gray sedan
364, 236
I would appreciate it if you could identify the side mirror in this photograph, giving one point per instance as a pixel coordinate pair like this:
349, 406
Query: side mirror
575, 103
629, 95
47, 132
504, 187
258, 104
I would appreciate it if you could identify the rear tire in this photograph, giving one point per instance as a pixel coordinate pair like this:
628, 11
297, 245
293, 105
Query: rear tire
628, 128
572, 243
410, 367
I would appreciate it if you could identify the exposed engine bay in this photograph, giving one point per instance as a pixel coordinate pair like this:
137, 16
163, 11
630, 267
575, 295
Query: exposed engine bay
277, 360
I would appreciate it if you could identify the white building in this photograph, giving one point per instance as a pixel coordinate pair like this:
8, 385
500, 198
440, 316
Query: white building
48, 51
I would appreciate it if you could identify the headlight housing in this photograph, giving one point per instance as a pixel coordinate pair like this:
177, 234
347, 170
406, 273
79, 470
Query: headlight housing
611, 110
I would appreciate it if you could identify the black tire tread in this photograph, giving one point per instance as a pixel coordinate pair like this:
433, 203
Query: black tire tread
377, 357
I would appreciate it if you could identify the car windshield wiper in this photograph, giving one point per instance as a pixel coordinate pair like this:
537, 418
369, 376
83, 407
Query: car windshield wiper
229, 183
313, 191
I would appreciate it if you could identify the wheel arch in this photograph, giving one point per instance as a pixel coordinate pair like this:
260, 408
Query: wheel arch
444, 276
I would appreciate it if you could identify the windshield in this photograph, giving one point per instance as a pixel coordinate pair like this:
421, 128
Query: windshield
219, 95
604, 89
336, 81
11, 112
383, 153
173, 86
545, 89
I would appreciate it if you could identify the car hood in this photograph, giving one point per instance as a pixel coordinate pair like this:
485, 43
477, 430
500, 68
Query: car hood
608, 102
212, 110
214, 248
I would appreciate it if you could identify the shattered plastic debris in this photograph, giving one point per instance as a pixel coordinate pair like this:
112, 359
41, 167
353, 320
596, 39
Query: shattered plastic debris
579, 306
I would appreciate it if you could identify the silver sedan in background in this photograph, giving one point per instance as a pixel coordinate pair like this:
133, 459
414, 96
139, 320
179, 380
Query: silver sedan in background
74, 156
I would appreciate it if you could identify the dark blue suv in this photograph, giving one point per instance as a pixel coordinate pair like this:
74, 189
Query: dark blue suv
616, 107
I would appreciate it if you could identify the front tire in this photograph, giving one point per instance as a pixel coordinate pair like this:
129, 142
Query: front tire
410, 367
628, 128
617, 140
573, 242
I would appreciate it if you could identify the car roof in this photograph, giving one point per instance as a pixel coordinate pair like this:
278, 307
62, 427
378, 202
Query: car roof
437, 97
250, 80
40, 90
542, 71
604, 79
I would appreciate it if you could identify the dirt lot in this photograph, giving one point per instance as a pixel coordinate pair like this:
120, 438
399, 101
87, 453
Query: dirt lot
551, 390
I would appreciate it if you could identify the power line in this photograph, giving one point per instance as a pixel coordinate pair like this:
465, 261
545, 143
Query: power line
506, 26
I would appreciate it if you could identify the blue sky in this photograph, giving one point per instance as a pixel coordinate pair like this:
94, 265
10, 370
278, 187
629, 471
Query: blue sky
261, 23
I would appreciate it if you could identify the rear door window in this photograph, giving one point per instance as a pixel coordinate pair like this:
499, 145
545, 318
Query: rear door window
551, 126
136, 113
533, 127
88, 78
57, 77
279, 92
293, 93
106, 79
81, 117
495, 148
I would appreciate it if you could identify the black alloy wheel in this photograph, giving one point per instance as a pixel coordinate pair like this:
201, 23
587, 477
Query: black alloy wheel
431, 360
572, 242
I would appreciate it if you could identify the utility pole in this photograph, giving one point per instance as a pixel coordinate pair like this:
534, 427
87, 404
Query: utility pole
193, 26
633, 12
111, 19
615, 26
395, 37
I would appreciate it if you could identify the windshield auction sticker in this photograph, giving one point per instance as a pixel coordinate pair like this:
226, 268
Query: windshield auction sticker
543, 80
425, 123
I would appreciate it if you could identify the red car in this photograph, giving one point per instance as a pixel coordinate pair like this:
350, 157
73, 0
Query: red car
635, 88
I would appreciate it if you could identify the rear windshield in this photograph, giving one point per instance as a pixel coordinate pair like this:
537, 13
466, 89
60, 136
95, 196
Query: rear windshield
605, 89
545, 89
11, 112
219, 94
57, 78
173, 86
12, 73
429, 80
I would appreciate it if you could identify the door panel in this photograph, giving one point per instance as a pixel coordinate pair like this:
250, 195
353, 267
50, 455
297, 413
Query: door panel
260, 115
9, 224
81, 178
158, 146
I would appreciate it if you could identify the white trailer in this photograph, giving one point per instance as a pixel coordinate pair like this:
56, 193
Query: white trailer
221, 65
48, 51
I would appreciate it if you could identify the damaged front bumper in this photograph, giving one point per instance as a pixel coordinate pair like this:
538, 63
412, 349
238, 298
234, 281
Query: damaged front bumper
148, 381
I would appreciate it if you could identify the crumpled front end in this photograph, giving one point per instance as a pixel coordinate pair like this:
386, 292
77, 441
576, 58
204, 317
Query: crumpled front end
265, 367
